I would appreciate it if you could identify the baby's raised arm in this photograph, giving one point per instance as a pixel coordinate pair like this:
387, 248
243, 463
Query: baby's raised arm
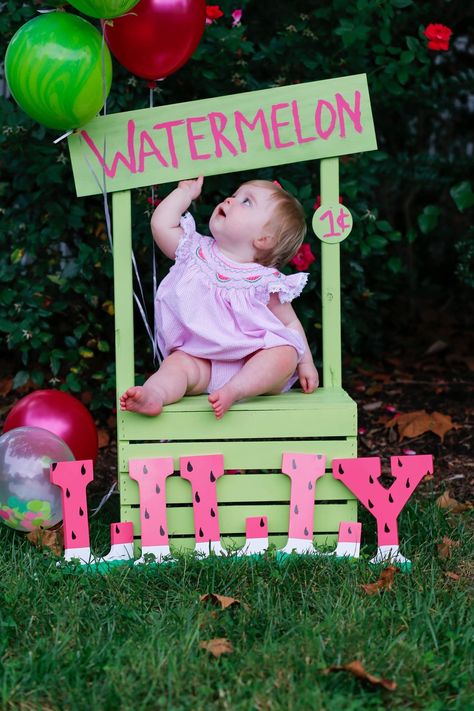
165, 225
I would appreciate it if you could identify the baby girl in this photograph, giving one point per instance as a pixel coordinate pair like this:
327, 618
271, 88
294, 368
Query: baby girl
224, 320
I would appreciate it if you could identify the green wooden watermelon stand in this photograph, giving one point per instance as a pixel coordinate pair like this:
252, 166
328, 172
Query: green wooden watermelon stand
319, 120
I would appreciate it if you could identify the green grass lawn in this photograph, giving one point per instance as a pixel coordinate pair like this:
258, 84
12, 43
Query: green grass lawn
130, 639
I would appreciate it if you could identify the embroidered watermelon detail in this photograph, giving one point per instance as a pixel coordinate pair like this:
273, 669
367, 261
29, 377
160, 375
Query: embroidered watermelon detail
200, 254
277, 274
221, 277
253, 278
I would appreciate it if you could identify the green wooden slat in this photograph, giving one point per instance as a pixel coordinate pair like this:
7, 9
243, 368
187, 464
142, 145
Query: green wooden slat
232, 518
123, 293
313, 416
238, 488
330, 283
124, 132
238, 456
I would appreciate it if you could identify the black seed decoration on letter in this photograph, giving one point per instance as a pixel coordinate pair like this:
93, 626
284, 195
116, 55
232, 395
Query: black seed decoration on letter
147, 515
201, 534
262, 523
319, 456
73, 536
408, 483
296, 510
81, 512
83, 470
293, 464
189, 467
371, 506
371, 481
349, 530
197, 498
162, 531
54, 465
212, 477
340, 469
390, 498
145, 469
157, 489
386, 529
213, 513
68, 493
306, 532
310, 485
399, 463
117, 528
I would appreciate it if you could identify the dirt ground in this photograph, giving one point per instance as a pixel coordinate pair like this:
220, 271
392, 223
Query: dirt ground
431, 369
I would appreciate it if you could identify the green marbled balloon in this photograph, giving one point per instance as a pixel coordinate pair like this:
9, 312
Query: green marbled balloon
59, 70
105, 9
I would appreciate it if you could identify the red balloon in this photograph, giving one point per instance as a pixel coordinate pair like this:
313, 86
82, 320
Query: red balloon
59, 413
157, 37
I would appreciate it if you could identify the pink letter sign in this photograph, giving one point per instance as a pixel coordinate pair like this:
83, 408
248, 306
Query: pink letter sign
304, 470
203, 471
151, 475
256, 536
361, 477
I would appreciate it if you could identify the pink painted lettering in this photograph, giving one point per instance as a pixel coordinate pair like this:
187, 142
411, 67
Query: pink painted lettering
194, 137
168, 126
361, 477
318, 119
304, 470
297, 122
276, 125
73, 478
151, 475
353, 113
240, 120
130, 163
145, 138
217, 133
203, 471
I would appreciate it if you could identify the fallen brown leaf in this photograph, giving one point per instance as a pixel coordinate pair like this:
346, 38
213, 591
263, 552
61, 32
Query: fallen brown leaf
6, 385
221, 600
414, 424
453, 576
103, 437
356, 669
445, 501
217, 646
43, 538
445, 548
385, 581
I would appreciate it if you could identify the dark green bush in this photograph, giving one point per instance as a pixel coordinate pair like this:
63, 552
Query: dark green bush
410, 200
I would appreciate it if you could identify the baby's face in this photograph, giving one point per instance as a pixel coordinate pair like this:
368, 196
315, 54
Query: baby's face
243, 217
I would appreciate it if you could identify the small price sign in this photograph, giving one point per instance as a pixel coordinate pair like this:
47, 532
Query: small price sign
332, 223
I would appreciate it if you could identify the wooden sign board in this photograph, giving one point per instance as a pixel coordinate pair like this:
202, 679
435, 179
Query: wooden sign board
224, 134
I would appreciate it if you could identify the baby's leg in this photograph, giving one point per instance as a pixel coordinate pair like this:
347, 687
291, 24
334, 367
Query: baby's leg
266, 371
180, 374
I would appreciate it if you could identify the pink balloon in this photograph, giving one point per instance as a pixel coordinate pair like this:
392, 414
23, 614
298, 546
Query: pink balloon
59, 413
157, 37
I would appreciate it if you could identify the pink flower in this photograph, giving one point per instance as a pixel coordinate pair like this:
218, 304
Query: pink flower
213, 12
236, 17
303, 257
438, 36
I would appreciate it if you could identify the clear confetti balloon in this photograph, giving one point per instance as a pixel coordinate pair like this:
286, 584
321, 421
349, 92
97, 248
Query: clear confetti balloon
27, 497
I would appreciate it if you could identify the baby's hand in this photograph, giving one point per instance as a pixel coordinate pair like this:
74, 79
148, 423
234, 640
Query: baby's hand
192, 188
308, 375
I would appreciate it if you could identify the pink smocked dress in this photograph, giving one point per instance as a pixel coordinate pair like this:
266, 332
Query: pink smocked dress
212, 307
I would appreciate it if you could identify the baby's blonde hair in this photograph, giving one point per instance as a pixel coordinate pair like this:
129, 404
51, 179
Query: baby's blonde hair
287, 224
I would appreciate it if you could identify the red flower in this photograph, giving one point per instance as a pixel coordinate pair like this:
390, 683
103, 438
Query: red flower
318, 202
438, 37
213, 12
303, 257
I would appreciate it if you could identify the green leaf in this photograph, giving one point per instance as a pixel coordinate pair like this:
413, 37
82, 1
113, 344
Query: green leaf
21, 378
428, 219
400, 4
462, 195
383, 225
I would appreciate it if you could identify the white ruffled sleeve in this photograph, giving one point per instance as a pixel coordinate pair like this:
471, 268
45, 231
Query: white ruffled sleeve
188, 237
287, 286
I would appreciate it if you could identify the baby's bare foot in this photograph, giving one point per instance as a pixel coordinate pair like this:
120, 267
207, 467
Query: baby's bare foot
140, 399
222, 399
